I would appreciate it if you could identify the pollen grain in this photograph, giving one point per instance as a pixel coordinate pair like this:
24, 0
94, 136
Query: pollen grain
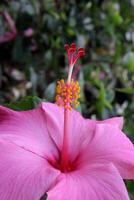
67, 95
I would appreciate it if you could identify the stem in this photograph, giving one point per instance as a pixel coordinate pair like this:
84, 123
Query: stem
65, 147
64, 155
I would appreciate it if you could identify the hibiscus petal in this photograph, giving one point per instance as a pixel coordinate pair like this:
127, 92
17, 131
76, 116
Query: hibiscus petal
27, 129
111, 145
116, 121
98, 182
81, 130
80, 133
23, 175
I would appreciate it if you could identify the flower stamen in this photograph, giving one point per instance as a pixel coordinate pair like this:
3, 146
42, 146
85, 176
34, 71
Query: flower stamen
67, 94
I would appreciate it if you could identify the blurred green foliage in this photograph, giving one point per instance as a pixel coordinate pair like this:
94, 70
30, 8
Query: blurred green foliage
31, 63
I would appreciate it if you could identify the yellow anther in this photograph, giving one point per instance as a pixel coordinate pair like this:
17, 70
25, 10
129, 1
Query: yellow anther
67, 95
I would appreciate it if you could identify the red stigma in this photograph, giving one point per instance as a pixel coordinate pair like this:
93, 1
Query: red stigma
74, 53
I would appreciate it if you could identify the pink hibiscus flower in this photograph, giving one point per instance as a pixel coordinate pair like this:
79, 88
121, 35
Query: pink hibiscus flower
55, 150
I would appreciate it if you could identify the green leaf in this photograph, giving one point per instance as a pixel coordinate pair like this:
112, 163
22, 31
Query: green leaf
82, 95
128, 61
117, 19
25, 104
102, 101
129, 90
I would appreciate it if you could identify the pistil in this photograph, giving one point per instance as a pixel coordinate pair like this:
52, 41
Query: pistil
67, 96
65, 147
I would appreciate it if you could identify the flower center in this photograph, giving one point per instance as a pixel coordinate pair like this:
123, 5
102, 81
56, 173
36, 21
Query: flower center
69, 168
67, 94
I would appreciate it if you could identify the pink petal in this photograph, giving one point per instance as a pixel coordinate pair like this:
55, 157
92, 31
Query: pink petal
116, 121
107, 144
81, 130
23, 175
111, 145
28, 130
80, 133
99, 182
